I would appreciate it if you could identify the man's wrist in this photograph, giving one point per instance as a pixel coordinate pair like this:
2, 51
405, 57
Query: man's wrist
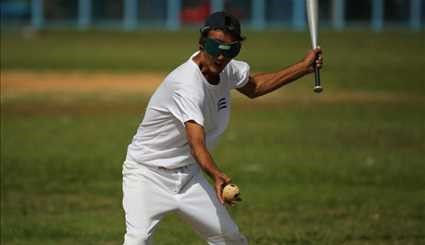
303, 67
216, 174
212, 171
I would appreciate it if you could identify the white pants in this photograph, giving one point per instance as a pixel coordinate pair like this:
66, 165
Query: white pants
150, 192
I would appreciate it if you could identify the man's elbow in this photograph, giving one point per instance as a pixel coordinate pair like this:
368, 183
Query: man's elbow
251, 96
254, 93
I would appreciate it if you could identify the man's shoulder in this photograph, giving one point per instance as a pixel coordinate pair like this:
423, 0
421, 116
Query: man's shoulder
236, 73
184, 80
238, 65
186, 72
235, 69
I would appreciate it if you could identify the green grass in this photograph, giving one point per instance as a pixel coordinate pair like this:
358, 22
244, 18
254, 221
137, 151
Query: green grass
313, 169
309, 175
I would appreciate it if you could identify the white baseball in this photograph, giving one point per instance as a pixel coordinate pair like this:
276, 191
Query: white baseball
231, 192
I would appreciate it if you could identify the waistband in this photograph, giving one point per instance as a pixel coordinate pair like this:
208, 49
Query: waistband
190, 166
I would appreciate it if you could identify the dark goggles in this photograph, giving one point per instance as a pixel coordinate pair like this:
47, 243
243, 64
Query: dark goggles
215, 48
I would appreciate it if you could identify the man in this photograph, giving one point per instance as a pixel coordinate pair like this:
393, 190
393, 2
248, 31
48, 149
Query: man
183, 120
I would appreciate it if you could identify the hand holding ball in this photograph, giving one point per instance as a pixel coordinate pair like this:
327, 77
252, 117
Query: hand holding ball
231, 194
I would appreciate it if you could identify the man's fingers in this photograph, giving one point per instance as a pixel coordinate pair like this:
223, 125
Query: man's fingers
319, 61
318, 50
220, 182
220, 199
226, 180
314, 58
219, 192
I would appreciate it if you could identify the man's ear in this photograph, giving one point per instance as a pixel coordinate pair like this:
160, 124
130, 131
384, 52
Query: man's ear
201, 43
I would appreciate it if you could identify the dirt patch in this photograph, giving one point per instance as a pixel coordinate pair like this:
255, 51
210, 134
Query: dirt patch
15, 83
22, 83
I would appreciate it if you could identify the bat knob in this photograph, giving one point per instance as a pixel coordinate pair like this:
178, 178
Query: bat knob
318, 89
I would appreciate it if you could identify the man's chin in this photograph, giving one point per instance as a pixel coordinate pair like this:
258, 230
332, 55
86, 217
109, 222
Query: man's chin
217, 68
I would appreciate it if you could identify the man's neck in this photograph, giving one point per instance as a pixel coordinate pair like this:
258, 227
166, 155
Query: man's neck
213, 79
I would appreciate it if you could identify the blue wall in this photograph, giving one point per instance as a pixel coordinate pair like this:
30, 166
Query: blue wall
259, 14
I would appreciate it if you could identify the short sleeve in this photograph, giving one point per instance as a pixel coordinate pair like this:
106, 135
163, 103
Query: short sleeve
186, 109
238, 73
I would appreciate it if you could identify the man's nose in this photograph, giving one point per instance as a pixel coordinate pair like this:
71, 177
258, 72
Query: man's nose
220, 57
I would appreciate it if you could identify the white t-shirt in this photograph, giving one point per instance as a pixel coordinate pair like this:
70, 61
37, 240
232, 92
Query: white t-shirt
185, 95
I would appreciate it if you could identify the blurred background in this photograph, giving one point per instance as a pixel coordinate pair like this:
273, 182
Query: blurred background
174, 14
342, 167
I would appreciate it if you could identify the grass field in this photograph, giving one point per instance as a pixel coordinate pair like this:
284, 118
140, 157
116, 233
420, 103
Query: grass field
342, 167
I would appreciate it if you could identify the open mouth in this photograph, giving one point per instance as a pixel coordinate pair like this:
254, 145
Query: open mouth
218, 63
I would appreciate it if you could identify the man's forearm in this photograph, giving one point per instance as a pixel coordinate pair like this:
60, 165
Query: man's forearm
268, 82
205, 160
196, 140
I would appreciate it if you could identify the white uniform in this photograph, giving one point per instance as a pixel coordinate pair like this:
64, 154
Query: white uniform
161, 175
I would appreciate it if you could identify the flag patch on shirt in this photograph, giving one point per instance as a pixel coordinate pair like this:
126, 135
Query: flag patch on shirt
221, 104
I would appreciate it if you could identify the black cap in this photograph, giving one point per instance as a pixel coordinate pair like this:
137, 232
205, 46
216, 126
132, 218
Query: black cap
223, 21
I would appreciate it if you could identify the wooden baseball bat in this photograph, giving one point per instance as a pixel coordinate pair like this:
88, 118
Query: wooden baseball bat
312, 16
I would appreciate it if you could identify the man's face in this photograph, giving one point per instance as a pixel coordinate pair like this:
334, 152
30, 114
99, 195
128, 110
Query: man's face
217, 64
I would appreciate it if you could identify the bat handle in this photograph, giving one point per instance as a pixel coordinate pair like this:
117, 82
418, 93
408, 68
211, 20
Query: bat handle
317, 84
